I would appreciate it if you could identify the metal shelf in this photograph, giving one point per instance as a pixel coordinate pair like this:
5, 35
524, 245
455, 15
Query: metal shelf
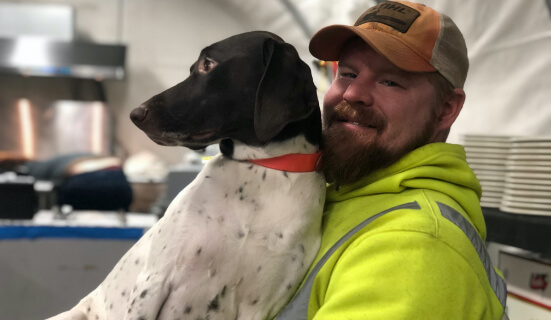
529, 232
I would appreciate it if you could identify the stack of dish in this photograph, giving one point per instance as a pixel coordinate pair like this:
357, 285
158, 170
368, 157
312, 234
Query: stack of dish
528, 178
487, 156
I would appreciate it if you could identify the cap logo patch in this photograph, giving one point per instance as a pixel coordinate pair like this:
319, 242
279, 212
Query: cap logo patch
393, 14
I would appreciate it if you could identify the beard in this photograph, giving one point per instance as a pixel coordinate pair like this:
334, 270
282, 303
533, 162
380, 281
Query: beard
348, 156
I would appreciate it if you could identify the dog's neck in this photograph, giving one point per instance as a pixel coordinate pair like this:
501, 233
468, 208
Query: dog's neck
239, 151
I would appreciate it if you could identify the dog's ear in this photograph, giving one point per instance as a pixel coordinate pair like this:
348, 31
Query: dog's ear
286, 92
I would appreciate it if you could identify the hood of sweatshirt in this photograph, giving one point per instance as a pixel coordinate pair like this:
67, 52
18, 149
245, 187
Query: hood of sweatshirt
441, 167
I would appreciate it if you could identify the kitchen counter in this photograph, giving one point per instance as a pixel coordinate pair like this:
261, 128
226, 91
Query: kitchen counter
48, 264
79, 224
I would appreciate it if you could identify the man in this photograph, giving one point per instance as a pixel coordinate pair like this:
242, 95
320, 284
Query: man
403, 231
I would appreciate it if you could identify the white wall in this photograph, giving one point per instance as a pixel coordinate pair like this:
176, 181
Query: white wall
509, 82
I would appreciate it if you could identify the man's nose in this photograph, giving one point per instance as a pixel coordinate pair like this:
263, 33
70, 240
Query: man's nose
358, 91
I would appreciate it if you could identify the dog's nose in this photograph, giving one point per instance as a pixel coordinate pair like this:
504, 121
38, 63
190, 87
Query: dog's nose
139, 114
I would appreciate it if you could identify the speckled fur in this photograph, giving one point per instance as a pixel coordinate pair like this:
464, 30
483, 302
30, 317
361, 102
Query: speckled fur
221, 251
234, 244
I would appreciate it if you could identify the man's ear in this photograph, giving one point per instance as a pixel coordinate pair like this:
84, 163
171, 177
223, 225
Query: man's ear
450, 109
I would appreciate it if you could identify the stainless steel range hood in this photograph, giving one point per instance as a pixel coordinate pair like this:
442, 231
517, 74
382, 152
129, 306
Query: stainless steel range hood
39, 57
37, 40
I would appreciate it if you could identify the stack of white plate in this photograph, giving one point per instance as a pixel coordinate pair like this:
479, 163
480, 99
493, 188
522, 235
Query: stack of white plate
528, 178
487, 156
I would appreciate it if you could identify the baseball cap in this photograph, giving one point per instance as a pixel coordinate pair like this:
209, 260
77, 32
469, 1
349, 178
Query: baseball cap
412, 36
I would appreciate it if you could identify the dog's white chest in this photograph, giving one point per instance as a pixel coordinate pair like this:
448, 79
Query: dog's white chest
230, 246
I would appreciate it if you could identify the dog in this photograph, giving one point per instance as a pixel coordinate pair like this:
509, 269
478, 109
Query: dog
237, 241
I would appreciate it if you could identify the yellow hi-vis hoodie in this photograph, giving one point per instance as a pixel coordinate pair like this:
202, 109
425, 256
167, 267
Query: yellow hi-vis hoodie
406, 242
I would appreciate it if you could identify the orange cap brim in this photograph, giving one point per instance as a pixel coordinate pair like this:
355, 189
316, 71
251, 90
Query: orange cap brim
327, 44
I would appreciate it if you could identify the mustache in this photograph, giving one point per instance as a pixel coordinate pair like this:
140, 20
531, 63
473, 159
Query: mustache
357, 113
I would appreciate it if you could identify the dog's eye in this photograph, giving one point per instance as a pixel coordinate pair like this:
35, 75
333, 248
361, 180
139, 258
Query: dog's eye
206, 65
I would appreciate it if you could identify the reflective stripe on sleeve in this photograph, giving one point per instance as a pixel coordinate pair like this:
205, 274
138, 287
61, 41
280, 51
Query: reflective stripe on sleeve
498, 284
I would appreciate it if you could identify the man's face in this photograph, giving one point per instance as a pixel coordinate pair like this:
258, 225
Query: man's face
374, 113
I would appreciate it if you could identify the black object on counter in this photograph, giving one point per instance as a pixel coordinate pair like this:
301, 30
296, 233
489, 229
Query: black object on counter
18, 200
529, 232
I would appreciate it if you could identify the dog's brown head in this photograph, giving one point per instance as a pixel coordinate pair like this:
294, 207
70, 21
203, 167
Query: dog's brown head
251, 87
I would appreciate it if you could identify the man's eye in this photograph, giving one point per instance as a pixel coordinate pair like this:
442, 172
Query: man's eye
349, 75
390, 83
